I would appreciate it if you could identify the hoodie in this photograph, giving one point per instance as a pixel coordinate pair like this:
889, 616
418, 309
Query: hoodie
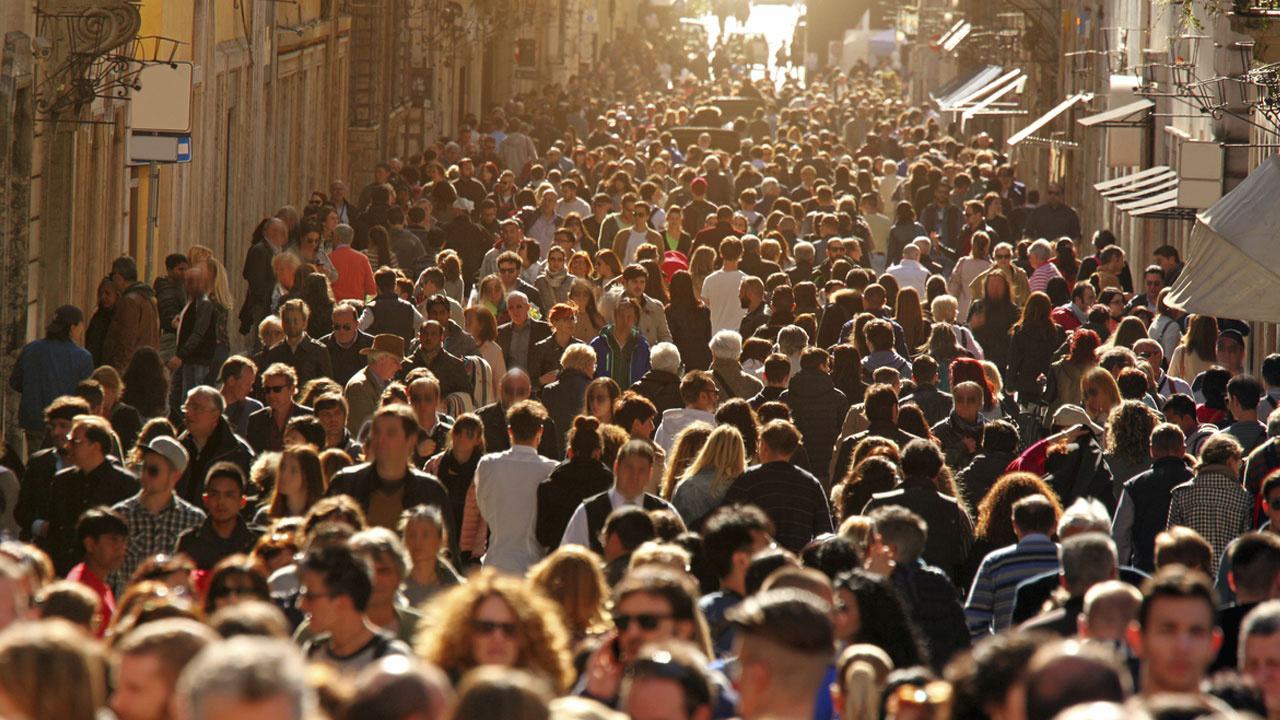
677, 419
136, 324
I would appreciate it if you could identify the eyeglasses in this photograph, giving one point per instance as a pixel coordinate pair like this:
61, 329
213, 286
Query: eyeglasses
189, 408
308, 593
344, 326
646, 621
1003, 256
275, 388
489, 627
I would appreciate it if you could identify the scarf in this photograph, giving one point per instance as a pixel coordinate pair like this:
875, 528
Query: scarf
555, 280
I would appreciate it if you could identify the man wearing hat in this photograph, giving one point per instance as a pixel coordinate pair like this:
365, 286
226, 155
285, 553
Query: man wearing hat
364, 390
48, 369
156, 515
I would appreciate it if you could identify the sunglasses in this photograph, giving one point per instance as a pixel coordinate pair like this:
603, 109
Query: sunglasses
1004, 256
488, 627
646, 621
275, 388
344, 326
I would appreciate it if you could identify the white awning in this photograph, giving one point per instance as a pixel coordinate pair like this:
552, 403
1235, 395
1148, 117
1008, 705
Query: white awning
990, 105
1045, 119
1125, 115
1234, 255
956, 35
1142, 193
964, 86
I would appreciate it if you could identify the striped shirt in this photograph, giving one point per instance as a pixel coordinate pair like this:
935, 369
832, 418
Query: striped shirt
990, 604
1041, 277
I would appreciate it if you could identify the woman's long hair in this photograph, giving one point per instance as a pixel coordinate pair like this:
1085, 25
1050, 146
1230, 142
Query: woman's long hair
1201, 337
995, 512
146, 383
724, 454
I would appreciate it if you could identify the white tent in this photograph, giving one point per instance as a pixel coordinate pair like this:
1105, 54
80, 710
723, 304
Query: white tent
1233, 268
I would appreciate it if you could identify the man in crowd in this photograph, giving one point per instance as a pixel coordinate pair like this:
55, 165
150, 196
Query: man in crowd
1054, 219
266, 426
517, 337
514, 388
208, 440
157, 517
236, 379
990, 603
135, 322
103, 536
631, 472
1176, 635
223, 532
383, 358
793, 499
307, 356
146, 665
506, 490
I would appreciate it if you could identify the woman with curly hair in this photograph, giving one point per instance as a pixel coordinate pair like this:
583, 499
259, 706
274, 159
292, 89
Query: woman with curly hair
875, 474
1129, 441
497, 619
994, 526
571, 577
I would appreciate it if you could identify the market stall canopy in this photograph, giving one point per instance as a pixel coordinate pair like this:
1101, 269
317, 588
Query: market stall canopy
1233, 268
1029, 132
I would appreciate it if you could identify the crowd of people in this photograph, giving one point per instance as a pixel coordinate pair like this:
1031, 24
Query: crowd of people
564, 418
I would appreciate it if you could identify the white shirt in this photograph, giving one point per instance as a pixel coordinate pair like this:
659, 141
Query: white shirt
720, 289
507, 495
910, 273
577, 531
576, 205
638, 236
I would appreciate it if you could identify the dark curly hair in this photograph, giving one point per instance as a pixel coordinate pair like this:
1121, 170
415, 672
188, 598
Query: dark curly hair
885, 622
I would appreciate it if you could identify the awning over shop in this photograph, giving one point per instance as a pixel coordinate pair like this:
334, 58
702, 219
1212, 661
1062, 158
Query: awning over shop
1131, 115
1146, 193
1233, 267
1028, 132
956, 35
965, 85
991, 102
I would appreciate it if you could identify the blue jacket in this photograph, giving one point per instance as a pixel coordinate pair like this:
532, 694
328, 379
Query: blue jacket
625, 364
46, 370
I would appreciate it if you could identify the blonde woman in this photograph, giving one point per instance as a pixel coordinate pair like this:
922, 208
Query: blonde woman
702, 264
571, 577
1099, 394
688, 443
704, 483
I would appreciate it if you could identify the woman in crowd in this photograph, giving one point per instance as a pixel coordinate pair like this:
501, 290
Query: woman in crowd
689, 320
705, 482
1065, 375
688, 443
124, 418
589, 320
904, 231
553, 282
146, 383
96, 334
235, 579
1099, 395
572, 579
483, 326
1198, 350
968, 268
1031, 346
497, 620
622, 352
422, 530
299, 483
601, 394
455, 466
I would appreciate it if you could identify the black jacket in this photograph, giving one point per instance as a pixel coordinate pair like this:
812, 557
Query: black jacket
223, 446
1080, 472
691, 334
34, 493
933, 602
262, 281
127, 422
1150, 491
950, 434
346, 362
496, 438
197, 335
753, 320
768, 394
538, 331
457, 478
544, 357
447, 367
393, 316
887, 430
1030, 353
570, 483
1031, 594
661, 388
950, 529
935, 404
792, 498
975, 481
265, 434
170, 299
565, 398
818, 410
73, 492
359, 482
310, 360
471, 242
207, 549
